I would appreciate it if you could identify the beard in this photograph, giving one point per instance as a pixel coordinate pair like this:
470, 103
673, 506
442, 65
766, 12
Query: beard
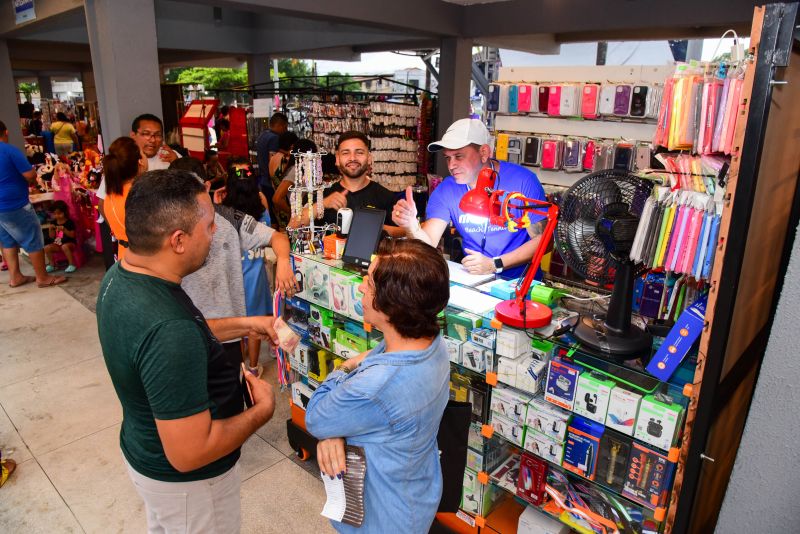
354, 172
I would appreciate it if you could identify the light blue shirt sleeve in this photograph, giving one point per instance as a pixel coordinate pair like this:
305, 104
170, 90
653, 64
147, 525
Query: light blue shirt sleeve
342, 407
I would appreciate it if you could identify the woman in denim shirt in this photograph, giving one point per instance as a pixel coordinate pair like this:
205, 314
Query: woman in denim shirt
390, 400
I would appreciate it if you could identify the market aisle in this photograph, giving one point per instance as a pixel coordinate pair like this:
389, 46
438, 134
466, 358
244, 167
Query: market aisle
59, 418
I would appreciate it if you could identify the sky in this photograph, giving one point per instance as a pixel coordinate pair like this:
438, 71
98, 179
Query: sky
619, 53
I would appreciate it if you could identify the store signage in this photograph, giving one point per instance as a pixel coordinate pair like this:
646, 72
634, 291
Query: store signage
23, 11
262, 107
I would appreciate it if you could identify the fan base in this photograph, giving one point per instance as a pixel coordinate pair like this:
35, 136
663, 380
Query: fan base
536, 315
595, 335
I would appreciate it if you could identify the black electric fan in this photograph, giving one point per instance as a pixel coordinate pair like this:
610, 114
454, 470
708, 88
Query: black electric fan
596, 226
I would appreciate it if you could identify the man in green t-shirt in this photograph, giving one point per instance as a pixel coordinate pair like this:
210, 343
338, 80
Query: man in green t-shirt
182, 397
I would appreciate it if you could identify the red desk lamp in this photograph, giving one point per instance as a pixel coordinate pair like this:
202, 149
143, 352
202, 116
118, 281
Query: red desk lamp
484, 201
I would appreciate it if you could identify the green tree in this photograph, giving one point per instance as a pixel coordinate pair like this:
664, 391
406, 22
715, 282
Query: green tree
336, 78
289, 68
213, 77
28, 89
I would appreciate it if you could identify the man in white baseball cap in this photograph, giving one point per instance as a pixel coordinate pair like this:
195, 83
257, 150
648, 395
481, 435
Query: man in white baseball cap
487, 248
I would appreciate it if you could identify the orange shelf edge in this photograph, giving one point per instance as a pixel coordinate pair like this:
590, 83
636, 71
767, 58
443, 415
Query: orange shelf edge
491, 379
487, 431
483, 477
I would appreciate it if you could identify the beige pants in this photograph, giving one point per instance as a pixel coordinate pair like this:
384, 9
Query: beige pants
204, 506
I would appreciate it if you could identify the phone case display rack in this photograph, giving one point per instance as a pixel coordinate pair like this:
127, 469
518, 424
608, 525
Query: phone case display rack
394, 130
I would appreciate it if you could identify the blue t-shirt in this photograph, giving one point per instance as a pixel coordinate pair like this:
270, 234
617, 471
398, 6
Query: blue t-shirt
494, 240
13, 186
257, 297
266, 143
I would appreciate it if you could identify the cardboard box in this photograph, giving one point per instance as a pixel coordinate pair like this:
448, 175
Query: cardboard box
658, 423
511, 430
547, 419
544, 446
299, 359
648, 477
612, 461
339, 285
477, 396
485, 337
531, 373
532, 479
474, 357
582, 446
355, 308
316, 281
533, 521
474, 460
459, 325
474, 437
507, 371
507, 473
481, 501
471, 483
453, 349
623, 406
512, 343
301, 394
562, 382
679, 341
592, 396
319, 367
322, 336
351, 341
509, 403
542, 350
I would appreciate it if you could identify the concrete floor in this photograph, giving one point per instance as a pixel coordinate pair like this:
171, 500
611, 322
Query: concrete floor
60, 420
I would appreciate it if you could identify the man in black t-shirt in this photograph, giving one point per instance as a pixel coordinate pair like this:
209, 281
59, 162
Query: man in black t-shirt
355, 189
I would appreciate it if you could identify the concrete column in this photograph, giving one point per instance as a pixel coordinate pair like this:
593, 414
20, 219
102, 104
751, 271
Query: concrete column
45, 86
9, 112
122, 39
455, 74
89, 88
258, 69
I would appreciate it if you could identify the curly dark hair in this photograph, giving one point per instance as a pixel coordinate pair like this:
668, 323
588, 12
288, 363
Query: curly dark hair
412, 285
242, 195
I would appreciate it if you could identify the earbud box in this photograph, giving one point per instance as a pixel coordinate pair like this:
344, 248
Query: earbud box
623, 406
562, 382
592, 396
453, 349
485, 337
459, 325
298, 360
507, 371
513, 431
582, 446
340, 282
658, 422
550, 420
474, 356
509, 403
513, 343
544, 446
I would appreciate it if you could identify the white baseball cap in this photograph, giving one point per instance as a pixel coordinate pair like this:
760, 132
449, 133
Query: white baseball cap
461, 133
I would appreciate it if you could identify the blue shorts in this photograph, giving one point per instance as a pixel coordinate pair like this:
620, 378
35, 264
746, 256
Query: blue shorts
21, 228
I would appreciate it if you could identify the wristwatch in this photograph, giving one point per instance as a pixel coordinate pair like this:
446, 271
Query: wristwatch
498, 264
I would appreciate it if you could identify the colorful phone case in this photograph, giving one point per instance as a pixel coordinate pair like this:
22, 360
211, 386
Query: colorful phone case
622, 100
589, 99
533, 148
568, 102
643, 154
623, 157
514, 150
554, 101
550, 154
588, 154
607, 95
572, 155
493, 100
544, 98
639, 101
512, 98
524, 98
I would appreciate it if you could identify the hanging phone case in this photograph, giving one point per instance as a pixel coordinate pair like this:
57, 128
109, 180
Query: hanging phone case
533, 151
569, 101
572, 155
607, 94
622, 100
589, 99
544, 98
588, 150
524, 98
654, 96
603, 156
514, 150
643, 154
554, 101
493, 99
501, 147
639, 100
623, 157
502, 106
551, 157
513, 94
